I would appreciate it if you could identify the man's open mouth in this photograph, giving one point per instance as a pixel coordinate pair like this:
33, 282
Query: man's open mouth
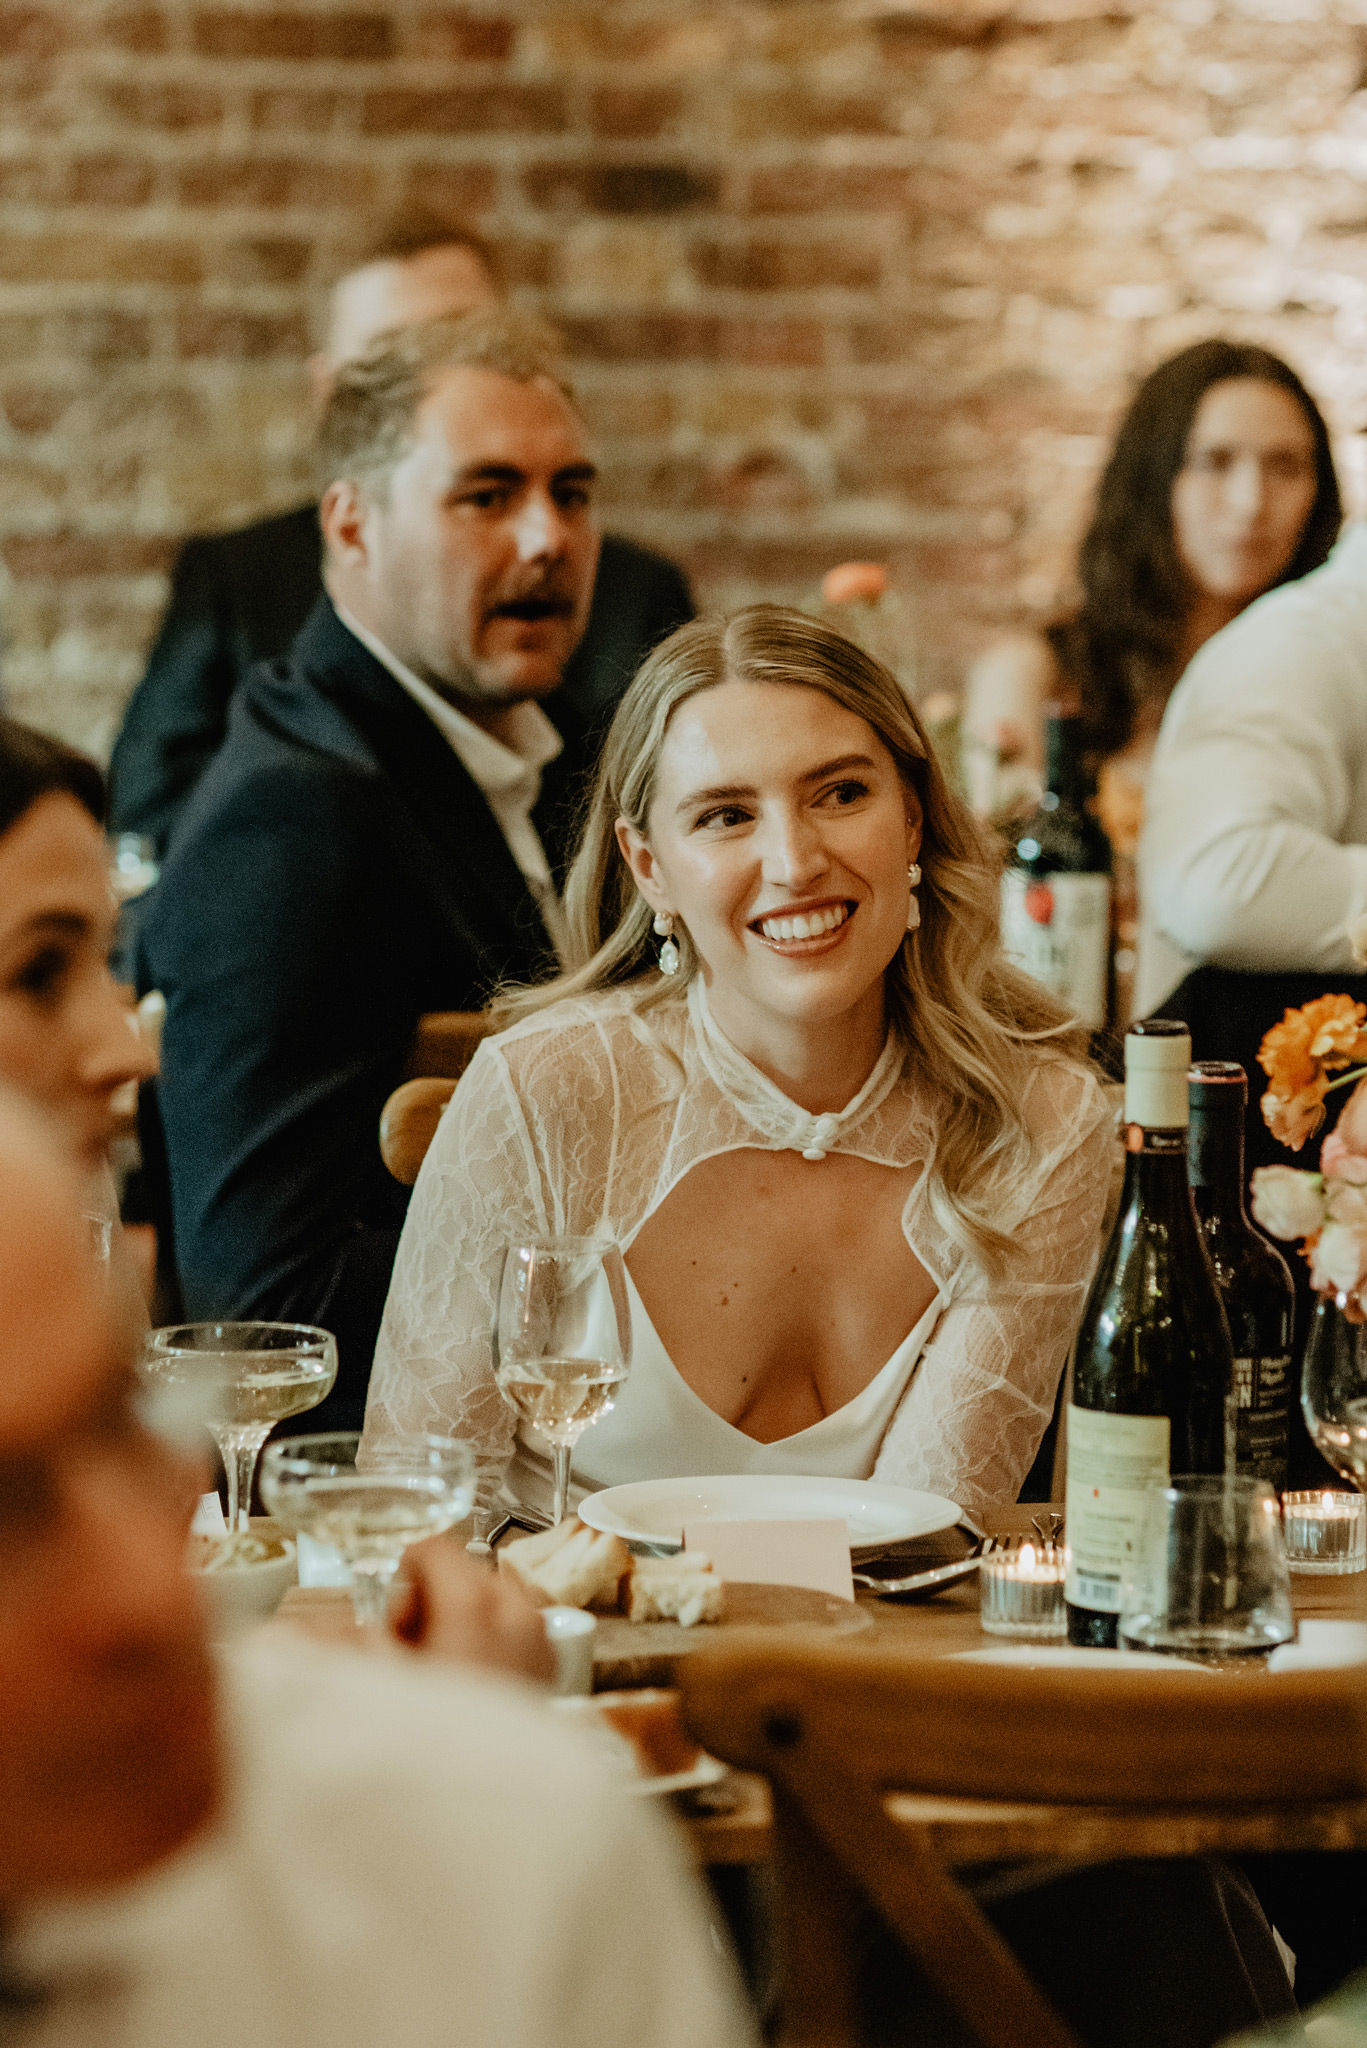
533, 609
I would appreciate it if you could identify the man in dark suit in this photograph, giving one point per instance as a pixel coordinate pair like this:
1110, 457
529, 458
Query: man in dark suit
239, 598
385, 826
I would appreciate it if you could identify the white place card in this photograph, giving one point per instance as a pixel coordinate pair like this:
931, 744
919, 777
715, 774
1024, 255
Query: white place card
813, 1554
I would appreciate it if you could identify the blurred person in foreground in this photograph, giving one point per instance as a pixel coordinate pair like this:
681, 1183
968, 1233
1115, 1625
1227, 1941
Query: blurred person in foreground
240, 597
284, 1845
384, 830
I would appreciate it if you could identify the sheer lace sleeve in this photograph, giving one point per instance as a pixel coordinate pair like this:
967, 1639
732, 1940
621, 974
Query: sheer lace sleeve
481, 1184
972, 1418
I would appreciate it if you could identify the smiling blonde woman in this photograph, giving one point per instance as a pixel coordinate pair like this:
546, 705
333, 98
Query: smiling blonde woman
852, 1158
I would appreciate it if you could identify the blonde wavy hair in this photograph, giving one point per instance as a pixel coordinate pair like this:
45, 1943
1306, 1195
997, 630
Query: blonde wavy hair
976, 1029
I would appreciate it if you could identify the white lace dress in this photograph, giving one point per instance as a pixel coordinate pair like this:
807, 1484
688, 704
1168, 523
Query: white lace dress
580, 1122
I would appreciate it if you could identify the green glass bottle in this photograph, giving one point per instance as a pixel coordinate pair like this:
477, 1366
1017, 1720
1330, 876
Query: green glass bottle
1254, 1279
1154, 1368
1056, 891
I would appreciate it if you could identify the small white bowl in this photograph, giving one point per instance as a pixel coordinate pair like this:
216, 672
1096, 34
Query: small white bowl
240, 1593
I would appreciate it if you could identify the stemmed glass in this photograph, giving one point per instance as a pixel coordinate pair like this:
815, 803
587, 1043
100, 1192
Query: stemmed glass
1334, 1388
562, 1341
248, 1377
406, 1489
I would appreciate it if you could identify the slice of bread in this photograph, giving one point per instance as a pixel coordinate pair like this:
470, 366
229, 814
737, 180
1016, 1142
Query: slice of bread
571, 1566
683, 1588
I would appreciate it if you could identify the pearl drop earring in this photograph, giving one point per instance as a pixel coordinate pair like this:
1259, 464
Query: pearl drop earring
913, 907
663, 924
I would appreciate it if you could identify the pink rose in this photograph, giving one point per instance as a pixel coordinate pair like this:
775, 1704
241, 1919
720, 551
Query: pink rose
1287, 1201
1338, 1163
1352, 1128
1338, 1260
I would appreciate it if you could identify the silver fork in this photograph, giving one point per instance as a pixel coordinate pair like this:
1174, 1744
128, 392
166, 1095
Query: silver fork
931, 1579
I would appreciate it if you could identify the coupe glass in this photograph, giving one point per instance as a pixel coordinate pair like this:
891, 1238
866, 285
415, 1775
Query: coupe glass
1334, 1388
1208, 1578
562, 1341
407, 1489
248, 1377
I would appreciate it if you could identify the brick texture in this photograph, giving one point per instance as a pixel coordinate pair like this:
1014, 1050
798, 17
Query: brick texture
842, 277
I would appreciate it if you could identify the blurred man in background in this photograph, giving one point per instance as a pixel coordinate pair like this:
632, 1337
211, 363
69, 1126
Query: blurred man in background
385, 828
240, 597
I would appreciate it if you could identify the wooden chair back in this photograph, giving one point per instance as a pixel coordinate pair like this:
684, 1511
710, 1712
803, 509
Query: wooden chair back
408, 1123
444, 1044
836, 1728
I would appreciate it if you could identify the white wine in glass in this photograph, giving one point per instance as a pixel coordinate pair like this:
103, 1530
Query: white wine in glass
562, 1341
406, 1490
248, 1376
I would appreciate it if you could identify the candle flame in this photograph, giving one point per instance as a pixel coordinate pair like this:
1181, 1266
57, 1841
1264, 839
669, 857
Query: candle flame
1026, 1557
1326, 1501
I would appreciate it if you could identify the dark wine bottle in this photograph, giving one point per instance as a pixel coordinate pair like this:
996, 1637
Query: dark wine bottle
1056, 892
1154, 1367
1254, 1279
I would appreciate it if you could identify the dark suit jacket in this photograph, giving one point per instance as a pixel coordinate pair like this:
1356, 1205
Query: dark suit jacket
239, 598
335, 874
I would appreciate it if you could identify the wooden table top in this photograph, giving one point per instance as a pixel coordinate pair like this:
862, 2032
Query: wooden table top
967, 1831
731, 1824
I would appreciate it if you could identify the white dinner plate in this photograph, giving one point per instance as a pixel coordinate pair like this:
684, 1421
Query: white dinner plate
656, 1510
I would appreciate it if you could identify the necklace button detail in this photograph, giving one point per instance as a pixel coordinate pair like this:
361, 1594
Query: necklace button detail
823, 1130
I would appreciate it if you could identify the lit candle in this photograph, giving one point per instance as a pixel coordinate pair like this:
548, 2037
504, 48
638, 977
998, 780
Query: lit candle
1022, 1591
1325, 1532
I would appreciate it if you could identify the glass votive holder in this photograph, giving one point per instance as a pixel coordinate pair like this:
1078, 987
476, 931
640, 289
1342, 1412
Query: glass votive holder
1021, 1591
1324, 1531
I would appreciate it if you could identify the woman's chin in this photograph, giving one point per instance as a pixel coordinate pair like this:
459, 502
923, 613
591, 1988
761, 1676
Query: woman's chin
818, 990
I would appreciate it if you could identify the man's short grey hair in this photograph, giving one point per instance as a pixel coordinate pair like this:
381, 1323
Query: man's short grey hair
367, 422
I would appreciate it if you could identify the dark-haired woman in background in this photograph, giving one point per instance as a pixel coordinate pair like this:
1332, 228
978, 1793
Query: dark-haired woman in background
1220, 485
67, 1038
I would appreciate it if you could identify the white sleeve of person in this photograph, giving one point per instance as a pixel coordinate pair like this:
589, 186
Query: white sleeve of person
1254, 852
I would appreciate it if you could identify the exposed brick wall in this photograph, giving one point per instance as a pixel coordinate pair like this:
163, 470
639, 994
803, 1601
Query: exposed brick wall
842, 276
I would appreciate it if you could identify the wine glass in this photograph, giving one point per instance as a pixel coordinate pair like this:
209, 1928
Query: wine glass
406, 1489
1334, 1388
250, 1376
562, 1341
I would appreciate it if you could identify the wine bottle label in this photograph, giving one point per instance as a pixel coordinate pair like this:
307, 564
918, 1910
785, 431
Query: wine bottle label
1057, 928
1114, 1462
1260, 1414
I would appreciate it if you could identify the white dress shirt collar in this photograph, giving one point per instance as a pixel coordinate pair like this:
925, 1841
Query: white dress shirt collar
507, 772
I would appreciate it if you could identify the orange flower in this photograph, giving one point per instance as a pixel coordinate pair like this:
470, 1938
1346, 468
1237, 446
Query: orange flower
849, 581
1299, 1057
1337, 1036
1294, 1118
